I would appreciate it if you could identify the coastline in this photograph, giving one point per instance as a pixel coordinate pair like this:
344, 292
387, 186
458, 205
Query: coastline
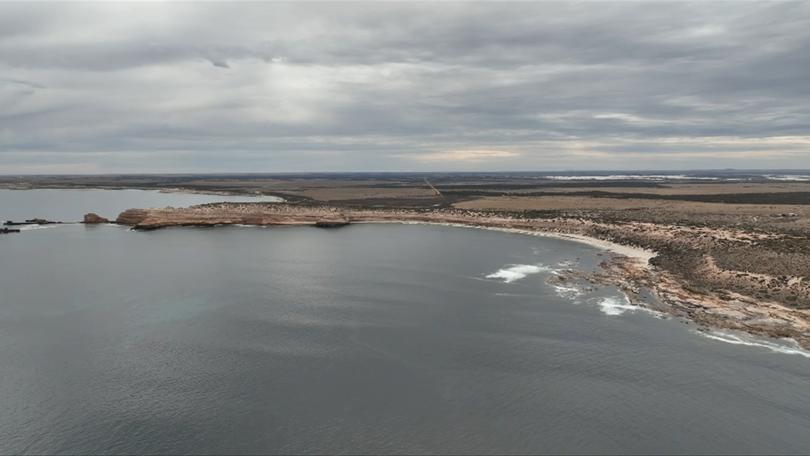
655, 257
630, 271
638, 254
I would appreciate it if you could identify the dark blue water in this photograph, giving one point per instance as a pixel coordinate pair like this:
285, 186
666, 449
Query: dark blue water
363, 339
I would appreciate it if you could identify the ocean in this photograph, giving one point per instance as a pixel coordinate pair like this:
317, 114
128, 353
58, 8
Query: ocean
370, 338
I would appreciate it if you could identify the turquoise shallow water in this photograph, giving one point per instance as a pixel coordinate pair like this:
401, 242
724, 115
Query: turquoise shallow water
368, 338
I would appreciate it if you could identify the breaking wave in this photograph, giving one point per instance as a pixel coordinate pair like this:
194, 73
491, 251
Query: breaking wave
39, 227
614, 305
568, 291
739, 339
630, 177
517, 272
788, 177
662, 177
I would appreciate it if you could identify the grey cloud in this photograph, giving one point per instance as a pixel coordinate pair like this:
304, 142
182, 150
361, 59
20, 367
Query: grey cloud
220, 64
29, 84
365, 86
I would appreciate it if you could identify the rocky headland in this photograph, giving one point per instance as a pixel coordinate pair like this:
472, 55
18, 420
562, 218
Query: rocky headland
93, 219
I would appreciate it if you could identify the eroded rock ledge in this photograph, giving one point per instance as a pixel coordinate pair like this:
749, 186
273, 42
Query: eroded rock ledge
685, 274
92, 219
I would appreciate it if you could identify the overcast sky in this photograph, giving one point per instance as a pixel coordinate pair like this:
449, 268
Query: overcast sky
210, 87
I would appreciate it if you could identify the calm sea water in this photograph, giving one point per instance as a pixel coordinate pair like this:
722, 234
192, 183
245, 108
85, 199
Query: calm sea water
363, 339
71, 205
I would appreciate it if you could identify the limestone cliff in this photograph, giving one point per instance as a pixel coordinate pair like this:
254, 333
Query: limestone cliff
92, 218
132, 217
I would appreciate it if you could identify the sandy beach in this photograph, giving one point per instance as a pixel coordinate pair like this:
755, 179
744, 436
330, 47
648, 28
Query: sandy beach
638, 254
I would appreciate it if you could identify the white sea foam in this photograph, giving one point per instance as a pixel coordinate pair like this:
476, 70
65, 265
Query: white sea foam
38, 227
615, 305
517, 271
567, 264
788, 177
660, 177
632, 177
786, 346
568, 292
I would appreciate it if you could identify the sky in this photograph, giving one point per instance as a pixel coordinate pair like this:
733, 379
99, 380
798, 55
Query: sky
273, 87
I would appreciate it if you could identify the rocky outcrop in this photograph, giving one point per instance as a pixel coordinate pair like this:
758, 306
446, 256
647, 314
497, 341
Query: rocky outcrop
132, 217
233, 214
331, 223
35, 221
93, 219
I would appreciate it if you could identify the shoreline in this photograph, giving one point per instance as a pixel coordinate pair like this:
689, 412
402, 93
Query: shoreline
641, 255
628, 269
673, 262
634, 261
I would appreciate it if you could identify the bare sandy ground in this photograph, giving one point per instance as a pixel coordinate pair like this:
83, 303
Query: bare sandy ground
353, 193
685, 189
557, 203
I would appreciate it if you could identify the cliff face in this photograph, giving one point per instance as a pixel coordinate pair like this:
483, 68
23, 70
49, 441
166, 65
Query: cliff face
232, 214
93, 218
132, 217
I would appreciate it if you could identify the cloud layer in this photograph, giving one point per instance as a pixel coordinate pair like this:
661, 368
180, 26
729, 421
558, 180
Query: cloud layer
209, 87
